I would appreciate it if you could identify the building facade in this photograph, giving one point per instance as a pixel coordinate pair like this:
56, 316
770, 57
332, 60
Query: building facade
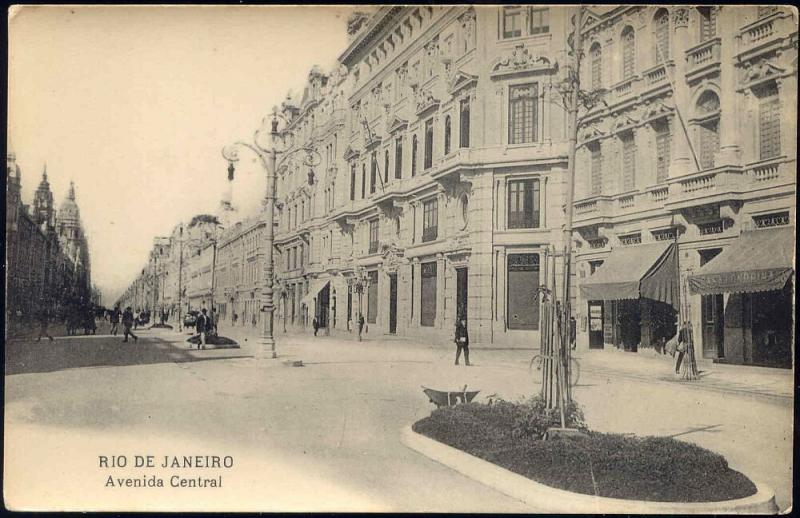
444, 156
47, 257
688, 155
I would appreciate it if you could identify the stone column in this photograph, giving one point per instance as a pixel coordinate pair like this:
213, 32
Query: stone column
480, 287
682, 162
416, 292
730, 150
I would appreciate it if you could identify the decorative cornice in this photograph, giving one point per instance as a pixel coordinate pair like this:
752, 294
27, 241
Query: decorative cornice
656, 110
425, 102
396, 123
350, 153
520, 60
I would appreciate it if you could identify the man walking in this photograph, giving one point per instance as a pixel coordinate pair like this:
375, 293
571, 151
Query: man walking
462, 341
44, 320
127, 323
202, 327
115, 314
360, 325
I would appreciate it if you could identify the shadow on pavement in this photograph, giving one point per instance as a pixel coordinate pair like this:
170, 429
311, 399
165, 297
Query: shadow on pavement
26, 357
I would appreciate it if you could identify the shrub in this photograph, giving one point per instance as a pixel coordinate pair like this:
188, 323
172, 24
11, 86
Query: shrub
533, 418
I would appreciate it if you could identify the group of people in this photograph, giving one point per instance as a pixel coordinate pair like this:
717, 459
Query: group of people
127, 319
205, 325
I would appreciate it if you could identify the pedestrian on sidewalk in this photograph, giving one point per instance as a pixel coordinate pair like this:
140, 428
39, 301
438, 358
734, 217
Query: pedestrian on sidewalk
462, 341
683, 342
136, 319
44, 320
360, 325
202, 327
127, 324
115, 314
315, 323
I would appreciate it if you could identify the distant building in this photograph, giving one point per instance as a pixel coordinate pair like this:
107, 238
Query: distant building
45, 268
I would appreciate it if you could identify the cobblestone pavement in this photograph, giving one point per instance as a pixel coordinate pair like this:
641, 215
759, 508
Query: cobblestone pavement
326, 436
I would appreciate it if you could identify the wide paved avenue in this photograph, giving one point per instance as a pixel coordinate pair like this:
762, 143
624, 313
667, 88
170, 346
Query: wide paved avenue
324, 437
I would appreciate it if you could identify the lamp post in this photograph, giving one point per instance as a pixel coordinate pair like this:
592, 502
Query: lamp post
267, 153
358, 284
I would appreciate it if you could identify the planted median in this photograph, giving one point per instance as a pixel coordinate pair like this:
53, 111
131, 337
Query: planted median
653, 469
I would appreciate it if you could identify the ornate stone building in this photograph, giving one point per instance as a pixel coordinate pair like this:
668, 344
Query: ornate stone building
688, 155
43, 270
438, 196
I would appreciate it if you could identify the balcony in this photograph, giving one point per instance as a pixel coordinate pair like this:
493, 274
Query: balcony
706, 187
703, 57
624, 90
771, 173
762, 33
604, 208
430, 234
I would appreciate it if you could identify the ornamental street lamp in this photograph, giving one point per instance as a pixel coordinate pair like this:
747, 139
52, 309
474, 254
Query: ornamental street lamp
358, 284
266, 146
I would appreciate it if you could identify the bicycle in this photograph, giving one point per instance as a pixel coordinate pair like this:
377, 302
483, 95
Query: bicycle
574, 371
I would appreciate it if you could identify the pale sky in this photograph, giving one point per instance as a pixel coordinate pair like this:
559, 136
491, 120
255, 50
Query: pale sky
135, 103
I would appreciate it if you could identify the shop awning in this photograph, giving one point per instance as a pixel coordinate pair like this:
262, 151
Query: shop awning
648, 271
315, 287
759, 260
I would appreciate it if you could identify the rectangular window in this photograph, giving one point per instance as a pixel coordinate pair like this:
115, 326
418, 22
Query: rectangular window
428, 144
352, 182
398, 158
708, 22
511, 22
522, 113
372, 296
373, 173
597, 168
522, 283
769, 123
628, 161
386, 167
430, 220
300, 256
539, 20
428, 295
373, 236
363, 181
464, 123
414, 152
709, 142
662, 151
523, 204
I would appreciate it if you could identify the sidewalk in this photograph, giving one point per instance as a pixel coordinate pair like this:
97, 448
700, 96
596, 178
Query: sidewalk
775, 385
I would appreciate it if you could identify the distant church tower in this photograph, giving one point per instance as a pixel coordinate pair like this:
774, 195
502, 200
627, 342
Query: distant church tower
13, 192
43, 207
73, 239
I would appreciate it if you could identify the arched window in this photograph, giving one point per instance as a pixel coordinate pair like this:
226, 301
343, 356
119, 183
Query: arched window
464, 133
597, 66
708, 128
662, 35
414, 146
628, 52
447, 135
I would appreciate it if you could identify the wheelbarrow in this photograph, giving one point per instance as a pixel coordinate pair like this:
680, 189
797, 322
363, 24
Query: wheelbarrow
440, 398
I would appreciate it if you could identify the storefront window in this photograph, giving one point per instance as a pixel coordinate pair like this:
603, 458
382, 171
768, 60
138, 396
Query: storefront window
522, 285
428, 295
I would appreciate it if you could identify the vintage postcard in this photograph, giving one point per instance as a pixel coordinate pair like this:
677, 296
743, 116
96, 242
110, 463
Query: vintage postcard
401, 258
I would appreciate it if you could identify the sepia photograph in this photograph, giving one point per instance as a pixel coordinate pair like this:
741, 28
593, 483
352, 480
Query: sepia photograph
532, 259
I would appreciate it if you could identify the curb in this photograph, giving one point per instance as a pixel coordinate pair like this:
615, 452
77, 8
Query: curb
555, 500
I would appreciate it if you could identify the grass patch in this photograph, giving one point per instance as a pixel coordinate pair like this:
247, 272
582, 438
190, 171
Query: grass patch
656, 469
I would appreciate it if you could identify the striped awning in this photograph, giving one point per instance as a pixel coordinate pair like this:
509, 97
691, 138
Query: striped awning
314, 288
759, 260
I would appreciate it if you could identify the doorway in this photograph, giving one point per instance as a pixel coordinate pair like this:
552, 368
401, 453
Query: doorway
462, 293
323, 304
595, 324
392, 303
713, 315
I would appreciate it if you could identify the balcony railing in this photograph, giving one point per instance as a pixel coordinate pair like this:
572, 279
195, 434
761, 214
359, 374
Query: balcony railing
770, 171
626, 202
430, 234
772, 26
706, 53
656, 74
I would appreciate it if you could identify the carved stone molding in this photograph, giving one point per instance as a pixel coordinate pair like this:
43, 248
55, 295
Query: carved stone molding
680, 17
519, 60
